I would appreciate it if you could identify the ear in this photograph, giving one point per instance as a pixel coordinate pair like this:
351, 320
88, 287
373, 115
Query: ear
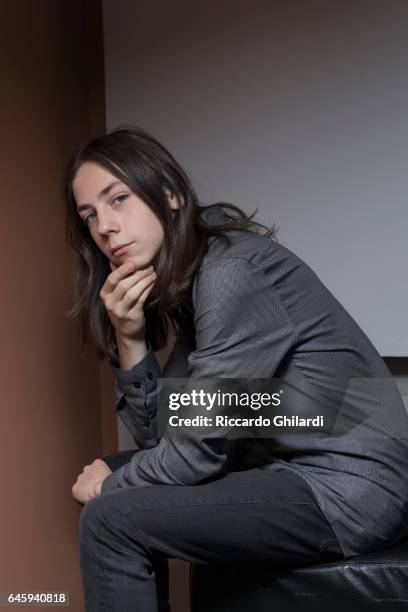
172, 200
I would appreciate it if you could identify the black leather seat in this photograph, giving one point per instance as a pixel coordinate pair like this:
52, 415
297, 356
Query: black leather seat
374, 581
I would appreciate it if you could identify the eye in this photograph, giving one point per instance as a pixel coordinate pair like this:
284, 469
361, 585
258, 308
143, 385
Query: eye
120, 199
89, 218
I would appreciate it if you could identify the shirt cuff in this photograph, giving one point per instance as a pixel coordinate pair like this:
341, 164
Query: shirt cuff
147, 368
109, 483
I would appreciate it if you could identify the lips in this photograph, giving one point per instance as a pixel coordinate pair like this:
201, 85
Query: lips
120, 249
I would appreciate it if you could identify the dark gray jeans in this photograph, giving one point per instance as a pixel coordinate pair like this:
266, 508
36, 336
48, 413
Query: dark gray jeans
243, 518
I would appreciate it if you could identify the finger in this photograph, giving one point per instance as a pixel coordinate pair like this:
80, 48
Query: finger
135, 294
127, 283
145, 293
112, 265
101, 463
142, 300
132, 297
115, 276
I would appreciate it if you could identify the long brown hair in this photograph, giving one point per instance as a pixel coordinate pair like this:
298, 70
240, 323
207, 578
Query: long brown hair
137, 159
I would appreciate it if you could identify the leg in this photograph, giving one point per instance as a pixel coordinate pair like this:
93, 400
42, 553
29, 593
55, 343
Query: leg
160, 565
247, 517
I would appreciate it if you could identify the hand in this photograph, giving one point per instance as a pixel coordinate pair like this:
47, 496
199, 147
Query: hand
123, 295
89, 482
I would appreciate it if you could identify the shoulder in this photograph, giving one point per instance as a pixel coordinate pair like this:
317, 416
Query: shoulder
237, 308
250, 265
247, 246
221, 278
232, 287
250, 260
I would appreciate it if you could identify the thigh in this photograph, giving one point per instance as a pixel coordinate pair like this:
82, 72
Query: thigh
245, 517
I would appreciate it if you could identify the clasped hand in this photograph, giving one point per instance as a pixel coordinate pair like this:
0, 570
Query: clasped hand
89, 482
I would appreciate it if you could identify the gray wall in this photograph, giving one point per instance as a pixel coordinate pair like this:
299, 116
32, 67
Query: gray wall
296, 108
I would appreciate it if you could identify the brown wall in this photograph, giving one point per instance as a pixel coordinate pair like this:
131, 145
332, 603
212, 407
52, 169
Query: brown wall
52, 424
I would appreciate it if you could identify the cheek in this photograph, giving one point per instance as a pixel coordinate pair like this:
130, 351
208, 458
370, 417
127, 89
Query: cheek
96, 238
157, 228
151, 230
159, 236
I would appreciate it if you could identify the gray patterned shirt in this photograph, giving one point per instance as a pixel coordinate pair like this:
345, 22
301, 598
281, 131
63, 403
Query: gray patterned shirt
261, 312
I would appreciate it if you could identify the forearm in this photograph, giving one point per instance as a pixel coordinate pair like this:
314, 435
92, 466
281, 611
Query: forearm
176, 460
136, 397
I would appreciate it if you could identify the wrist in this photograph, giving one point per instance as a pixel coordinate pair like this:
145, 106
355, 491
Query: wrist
131, 351
127, 343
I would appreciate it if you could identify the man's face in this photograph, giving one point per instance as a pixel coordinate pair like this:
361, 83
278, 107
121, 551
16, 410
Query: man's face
116, 216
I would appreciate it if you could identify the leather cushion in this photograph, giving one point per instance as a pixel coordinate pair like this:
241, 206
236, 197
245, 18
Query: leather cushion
374, 581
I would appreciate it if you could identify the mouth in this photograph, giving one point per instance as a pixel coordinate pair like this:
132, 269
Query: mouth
120, 250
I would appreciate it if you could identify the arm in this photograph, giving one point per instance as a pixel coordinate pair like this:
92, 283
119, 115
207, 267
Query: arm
242, 331
136, 396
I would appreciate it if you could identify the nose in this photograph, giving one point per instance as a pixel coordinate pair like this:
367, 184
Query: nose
107, 223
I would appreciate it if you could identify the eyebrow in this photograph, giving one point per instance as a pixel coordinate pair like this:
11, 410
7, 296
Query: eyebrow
100, 195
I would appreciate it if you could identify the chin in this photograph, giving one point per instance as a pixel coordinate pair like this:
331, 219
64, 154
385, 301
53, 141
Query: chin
139, 264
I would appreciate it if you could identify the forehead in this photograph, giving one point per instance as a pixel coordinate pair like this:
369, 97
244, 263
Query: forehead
89, 180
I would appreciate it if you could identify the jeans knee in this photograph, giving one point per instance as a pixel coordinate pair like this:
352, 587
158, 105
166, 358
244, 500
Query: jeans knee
100, 527
92, 517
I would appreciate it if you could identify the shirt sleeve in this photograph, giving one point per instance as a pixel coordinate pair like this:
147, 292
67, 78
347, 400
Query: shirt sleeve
135, 394
242, 331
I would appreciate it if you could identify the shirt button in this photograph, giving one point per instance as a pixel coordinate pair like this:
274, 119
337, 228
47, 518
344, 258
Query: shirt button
137, 384
150, 375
